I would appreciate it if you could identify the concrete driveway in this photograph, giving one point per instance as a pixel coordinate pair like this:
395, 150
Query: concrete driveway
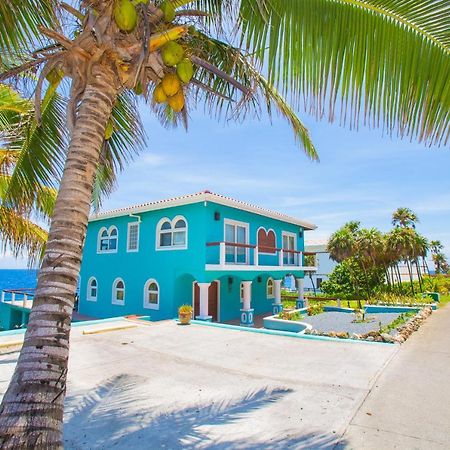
167, 386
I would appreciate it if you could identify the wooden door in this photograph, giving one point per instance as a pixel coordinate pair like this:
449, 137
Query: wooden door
213, 297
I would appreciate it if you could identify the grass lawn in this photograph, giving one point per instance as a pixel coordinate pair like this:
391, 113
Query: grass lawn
288, 303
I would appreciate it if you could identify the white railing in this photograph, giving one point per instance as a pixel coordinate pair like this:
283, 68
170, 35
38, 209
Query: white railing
18, 297
291, 258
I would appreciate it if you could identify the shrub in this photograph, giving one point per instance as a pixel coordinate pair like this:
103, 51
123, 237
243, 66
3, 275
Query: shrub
185, 309
290, 316
314, 309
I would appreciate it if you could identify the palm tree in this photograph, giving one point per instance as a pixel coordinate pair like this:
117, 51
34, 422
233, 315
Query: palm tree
404, 218
364, 59
438, 257
342, 243
18, 231
440, 263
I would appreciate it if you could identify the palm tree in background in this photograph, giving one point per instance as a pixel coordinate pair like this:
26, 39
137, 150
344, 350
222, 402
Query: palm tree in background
405, 218
439, 259
360, 55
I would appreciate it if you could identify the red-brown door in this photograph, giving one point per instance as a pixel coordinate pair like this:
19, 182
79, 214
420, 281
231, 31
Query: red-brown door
213, 296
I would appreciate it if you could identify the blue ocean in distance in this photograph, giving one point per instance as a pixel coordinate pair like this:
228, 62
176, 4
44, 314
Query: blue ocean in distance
18, 278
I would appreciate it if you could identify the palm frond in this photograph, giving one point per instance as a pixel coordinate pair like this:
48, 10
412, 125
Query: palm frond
21, 235
234, 63
373, 61
42, 153
20, 21
127, 140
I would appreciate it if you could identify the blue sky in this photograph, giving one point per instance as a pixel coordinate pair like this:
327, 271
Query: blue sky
362, 175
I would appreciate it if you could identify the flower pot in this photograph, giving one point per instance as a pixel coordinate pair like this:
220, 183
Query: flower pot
184, 318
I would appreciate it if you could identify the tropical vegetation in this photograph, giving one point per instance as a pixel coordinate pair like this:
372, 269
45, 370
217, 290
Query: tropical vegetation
354, 60
369, 260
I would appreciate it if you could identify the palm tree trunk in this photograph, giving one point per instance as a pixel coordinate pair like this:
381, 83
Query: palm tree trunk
31, 413
410, 276
312, 282
419, 274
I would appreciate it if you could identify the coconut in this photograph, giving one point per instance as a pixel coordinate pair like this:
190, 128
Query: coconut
185, 70
125, 15
171, 84
176, 102
159, 96
109, 129
172, 53
168, 10
55, 76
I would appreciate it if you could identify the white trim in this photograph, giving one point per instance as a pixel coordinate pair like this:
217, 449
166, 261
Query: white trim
89, 298
148, 305
245, 225
257, 241
267, 288
296, 255
130, 224
114, 300
203, 197
172, 230
108, 230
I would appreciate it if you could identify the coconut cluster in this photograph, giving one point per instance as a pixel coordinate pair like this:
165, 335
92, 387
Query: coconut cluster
179, 67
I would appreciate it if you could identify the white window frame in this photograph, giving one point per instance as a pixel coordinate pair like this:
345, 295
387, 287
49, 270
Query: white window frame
267, 232
294, 235
172, 222
108, 230
114, 300
132, 224
245, 225
147, 304
89, 297
272, 295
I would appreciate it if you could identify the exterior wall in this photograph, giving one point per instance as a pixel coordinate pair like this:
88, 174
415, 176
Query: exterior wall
216, 229
176, 270
325, 265
167, 267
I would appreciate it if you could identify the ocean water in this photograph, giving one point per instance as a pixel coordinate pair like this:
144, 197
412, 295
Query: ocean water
17, 278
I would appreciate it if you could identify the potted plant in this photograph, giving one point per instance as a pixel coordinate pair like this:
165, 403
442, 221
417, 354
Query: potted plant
185, 314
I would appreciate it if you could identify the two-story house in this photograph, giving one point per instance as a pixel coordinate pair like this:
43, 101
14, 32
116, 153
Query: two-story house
225, 257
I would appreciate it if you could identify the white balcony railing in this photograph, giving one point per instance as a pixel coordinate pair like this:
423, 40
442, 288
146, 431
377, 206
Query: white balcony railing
249, 256
18, 297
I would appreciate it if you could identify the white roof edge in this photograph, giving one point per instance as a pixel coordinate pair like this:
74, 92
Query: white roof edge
200, 197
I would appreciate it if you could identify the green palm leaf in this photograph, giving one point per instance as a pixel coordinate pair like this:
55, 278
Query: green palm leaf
361, 60
20, 21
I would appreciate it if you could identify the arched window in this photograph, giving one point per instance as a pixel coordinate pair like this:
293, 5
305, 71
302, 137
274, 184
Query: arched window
171, 234
266, 241
269, 288
151, 294
118, 292
113, 235
108, 240
92, 289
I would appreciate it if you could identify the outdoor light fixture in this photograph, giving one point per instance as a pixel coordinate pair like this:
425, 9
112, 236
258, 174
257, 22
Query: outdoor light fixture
217, 215
300, 234
230, 283
259, 279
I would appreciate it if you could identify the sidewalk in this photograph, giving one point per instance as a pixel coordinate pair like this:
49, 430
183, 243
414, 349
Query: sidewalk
409, 405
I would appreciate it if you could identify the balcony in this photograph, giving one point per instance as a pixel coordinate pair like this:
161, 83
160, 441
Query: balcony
241, 257
22, 298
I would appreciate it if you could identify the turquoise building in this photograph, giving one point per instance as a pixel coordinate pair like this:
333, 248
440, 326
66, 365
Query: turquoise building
225, 257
